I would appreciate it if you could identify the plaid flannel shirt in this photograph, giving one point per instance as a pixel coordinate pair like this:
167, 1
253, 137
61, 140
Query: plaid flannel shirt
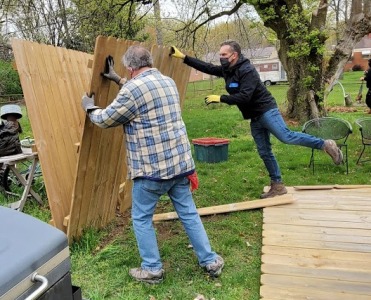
157, 144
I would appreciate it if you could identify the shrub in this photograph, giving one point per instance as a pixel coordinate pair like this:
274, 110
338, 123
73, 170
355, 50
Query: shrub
357, 68
9, 79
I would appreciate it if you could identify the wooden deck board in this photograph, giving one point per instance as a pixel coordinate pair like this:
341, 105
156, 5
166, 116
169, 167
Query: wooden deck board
318, 247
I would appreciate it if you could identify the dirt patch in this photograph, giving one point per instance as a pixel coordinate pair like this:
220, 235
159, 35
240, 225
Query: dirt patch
342, 109
115, 229
290, 122
165, 229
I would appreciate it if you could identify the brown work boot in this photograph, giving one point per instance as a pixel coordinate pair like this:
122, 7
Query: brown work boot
333, 150
277, 188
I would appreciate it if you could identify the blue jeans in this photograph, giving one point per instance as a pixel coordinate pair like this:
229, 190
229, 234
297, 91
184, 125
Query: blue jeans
271, 122
145, 196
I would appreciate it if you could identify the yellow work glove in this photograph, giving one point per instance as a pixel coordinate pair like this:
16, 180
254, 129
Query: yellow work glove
212, 99
176, 53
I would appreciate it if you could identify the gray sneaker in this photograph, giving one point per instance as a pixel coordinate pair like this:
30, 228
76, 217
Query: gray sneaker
215, 269
333, 150
147, 276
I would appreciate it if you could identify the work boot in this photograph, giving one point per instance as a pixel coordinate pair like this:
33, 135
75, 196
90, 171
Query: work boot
277, 188
147, 275
333, 150
215, 269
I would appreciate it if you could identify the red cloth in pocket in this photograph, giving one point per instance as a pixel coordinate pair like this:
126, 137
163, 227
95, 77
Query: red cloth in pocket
193, 179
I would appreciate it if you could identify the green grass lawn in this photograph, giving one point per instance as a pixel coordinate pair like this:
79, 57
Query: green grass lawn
101, 260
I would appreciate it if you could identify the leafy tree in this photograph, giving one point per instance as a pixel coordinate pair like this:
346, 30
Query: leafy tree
116, 18
9, 79
72, 24
301, 27
46, 21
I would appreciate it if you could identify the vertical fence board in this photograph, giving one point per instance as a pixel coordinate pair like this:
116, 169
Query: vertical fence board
48, 152
57, 118
118, 48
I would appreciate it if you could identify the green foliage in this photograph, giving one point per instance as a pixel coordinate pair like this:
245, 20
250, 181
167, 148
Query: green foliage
265, 8
308, 80
9, 79
108, 18
88, 242
315, 40
297, 31
305, 41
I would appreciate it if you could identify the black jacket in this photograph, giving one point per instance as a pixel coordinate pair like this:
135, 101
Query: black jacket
243, 84
9, 138
368, 78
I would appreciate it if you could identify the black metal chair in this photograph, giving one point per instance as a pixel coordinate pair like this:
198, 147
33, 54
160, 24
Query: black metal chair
365, 128
330, 128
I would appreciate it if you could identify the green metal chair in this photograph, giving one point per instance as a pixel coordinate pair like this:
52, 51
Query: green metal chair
330, 128
365, 128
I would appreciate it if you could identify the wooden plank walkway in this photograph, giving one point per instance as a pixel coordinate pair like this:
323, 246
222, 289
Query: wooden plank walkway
318, 247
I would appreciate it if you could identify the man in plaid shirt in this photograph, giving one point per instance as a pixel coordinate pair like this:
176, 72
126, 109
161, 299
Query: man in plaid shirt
158, 156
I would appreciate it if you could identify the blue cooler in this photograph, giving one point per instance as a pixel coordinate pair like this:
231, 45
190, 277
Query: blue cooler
34, 259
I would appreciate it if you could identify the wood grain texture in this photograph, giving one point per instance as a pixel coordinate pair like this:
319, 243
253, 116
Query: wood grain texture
227, 208
52, 85
318, 247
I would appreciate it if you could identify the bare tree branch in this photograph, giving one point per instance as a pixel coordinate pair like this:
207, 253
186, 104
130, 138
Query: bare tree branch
319, 16
214, 17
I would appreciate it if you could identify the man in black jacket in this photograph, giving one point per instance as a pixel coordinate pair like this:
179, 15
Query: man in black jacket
367, 78
256, 103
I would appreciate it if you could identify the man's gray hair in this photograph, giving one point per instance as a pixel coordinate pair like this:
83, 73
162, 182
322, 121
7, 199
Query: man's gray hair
234, 45
137, 57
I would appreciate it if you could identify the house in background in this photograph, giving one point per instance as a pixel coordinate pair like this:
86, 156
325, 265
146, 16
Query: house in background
361, 54
265, 61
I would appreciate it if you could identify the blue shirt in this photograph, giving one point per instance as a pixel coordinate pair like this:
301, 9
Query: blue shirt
157, 144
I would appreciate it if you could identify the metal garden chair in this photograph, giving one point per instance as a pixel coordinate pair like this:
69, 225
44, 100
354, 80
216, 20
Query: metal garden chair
365, 128
330, 128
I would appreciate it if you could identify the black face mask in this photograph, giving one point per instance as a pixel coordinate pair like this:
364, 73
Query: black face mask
225, 63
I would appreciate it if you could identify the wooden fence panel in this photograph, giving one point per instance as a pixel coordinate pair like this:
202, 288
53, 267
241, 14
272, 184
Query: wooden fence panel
84, 166
52, 86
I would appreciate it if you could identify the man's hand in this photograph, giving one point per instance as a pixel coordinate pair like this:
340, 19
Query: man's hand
109, 71
174, 52
212, 99
87, 102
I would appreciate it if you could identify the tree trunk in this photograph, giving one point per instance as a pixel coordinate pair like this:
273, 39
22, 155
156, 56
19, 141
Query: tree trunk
63, 15
358, 26
301, 52
303, 103
301, 55
158, 21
